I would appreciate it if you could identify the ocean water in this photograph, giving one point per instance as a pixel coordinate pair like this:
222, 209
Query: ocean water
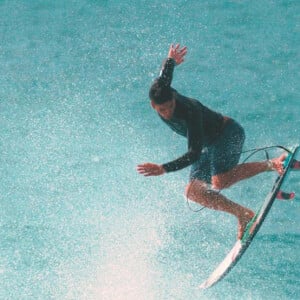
76, 220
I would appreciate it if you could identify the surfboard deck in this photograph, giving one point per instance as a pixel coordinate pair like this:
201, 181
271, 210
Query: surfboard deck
252, 228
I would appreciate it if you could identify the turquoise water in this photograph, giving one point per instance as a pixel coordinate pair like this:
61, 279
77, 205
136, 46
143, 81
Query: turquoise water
76, 220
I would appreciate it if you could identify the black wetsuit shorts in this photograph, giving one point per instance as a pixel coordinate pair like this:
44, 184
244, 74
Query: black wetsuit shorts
220, 156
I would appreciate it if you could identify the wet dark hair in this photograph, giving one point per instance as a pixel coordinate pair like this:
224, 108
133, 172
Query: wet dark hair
160, 93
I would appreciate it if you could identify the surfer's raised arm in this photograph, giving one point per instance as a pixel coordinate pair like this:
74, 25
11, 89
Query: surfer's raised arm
175, 57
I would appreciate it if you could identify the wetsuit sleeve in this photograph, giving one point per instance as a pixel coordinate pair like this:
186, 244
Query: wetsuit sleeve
195, 144
166, 73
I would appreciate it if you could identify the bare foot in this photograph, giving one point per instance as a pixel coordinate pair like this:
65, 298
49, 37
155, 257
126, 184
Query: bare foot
243, 221
277, 163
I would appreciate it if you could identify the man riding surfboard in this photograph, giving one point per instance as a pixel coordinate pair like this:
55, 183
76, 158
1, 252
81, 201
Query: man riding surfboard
214, 145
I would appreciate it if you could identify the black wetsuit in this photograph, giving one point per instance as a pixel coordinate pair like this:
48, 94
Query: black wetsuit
191, 119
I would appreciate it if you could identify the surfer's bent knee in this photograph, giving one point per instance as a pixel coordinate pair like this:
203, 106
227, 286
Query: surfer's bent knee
195, 188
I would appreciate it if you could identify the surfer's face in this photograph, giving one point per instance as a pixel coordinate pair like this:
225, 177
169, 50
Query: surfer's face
165, 110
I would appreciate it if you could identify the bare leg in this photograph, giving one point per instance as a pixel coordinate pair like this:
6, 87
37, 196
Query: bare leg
247, 170
198, 191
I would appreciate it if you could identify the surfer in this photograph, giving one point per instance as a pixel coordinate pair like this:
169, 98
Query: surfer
214, 145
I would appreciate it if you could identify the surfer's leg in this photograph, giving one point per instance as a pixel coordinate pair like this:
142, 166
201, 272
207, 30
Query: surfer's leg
247, 170
198, 191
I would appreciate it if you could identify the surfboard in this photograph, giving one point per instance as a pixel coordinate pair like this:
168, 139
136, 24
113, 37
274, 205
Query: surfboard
252, 228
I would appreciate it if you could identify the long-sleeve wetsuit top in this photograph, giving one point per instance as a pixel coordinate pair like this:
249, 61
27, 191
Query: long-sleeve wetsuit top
191, 119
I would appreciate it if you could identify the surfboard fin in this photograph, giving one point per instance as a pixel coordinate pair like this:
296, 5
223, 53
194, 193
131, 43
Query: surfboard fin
285, 196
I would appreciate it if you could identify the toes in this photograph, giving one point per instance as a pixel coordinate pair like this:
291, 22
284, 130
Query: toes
282, 157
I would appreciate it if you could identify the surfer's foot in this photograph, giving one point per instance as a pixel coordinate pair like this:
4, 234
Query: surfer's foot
276, 164
243, 222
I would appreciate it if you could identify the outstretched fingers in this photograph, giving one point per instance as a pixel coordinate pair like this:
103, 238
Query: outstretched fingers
177, 53
150, 169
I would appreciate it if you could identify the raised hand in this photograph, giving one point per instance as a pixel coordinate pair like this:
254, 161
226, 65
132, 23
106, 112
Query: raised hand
177, 53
